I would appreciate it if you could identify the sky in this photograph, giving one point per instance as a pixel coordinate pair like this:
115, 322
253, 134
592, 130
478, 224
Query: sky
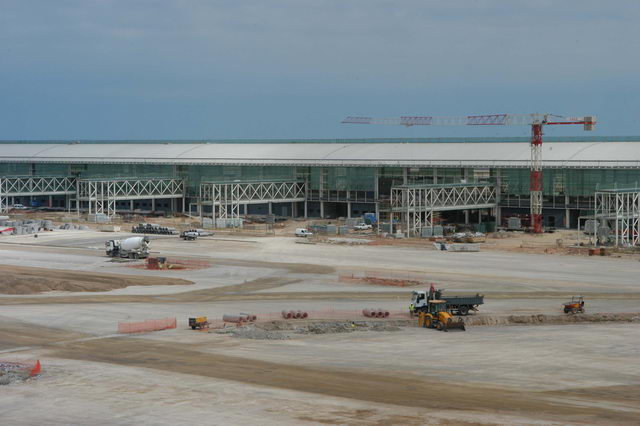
236, 69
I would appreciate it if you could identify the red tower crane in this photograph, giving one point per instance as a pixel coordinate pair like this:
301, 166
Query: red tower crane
536, 121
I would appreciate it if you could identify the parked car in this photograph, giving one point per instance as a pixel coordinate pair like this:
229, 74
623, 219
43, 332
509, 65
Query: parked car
303, 232
19, 207
362, 227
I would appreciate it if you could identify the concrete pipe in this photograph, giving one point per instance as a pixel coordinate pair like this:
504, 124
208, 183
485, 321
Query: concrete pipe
304, 315
250, 317
298, 314
379, 313
286, 315
233, 318
386, 314
366, 313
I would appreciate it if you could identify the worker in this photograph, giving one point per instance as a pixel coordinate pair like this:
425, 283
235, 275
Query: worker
432, 290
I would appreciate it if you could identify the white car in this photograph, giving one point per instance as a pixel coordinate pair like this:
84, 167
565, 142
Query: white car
362, 227
19, 207
302, 232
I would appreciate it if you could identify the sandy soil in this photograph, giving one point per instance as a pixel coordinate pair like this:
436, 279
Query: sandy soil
506, 374
27, 280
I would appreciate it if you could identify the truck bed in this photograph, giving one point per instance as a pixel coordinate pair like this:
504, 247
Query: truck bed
478, 299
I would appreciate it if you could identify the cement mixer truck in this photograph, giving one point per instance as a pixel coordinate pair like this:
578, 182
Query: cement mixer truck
133, 248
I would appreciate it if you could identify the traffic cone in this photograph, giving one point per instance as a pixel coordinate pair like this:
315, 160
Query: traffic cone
37, 368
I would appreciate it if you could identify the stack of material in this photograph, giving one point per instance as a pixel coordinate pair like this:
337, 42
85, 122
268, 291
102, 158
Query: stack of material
152, 228
438, 231
98, 218
26, 226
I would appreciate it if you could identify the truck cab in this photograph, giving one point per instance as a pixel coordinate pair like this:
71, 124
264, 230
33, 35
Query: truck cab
418, 301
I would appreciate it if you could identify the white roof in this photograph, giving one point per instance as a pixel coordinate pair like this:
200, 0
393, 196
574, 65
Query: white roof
607, 154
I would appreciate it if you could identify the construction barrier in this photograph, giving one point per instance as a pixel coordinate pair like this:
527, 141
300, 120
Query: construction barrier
146, 326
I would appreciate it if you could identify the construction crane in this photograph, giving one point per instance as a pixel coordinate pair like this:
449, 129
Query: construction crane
536, 121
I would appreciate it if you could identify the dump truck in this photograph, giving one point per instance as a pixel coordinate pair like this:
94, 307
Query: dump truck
198, 323
459, 305
133, 248
438, 316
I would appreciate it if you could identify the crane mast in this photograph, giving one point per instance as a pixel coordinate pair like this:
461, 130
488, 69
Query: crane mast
536, 121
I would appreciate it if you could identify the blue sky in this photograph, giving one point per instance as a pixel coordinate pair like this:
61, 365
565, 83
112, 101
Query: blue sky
189, 69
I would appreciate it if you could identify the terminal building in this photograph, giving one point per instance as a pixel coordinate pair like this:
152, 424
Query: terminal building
413, 181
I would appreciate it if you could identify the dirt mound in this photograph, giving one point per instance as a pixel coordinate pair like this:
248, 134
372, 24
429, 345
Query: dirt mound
282, 330
541, 319
23, 280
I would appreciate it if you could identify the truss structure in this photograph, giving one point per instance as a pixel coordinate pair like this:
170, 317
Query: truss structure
102, 194
416, 203
619, 210
225, 198
24, 186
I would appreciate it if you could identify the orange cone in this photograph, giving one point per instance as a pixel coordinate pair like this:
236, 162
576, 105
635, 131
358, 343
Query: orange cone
37, 368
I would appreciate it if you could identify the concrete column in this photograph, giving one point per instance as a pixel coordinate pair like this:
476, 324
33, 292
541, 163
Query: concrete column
305, 209
245, 207
405, 175
322, 209
173, 205
184, 206
479, 216
435, 176
377, 218
153, 204
349, 209
50, 200
466, 217
131, 205
567, 213
376, 191
294, 209
498, 198
270, 208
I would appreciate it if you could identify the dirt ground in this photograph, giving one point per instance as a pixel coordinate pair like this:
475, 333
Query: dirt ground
27, 280
502, 370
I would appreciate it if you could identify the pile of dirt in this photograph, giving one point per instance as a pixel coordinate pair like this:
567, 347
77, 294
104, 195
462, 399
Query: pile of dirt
282, 330
27, 280
13, 372
541, 319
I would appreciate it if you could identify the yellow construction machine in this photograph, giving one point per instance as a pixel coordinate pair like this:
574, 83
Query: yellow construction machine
438, 316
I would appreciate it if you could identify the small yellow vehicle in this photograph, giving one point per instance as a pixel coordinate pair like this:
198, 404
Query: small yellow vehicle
438, 316
576, 305
199, 323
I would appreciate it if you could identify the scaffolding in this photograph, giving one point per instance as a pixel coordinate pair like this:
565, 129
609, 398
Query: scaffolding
619, 211
26, 186
225, 198
102, 194
416, 204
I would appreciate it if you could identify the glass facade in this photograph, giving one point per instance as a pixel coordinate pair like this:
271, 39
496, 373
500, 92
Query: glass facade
556, 182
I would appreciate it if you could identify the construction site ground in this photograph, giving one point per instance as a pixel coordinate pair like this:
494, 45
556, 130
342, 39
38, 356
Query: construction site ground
319, 372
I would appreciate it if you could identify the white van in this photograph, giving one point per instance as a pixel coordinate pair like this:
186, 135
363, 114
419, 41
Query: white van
302, 232
18, 207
